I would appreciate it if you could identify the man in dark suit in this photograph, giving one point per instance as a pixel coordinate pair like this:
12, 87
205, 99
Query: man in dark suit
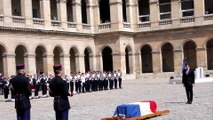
21, 88
59, 90
188, 80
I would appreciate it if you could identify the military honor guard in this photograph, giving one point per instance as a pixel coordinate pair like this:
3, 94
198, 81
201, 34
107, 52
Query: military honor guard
6, 87
72, 83
59, 90
43, 84
21, 88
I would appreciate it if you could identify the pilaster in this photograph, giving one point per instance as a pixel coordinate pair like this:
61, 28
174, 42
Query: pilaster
80, 66
65, 62
48, 67
154, 14
138, 63
119, 61
157, 64
26, 9
7, 11
178, 61
175, 11
199, 11
62, 12
132, 14
9, 64
116, 14
30, 63
201, 58
45, 12
77, 14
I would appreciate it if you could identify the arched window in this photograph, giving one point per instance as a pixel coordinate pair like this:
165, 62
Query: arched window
209, 46
167, 58
107, 59
40, 51
146, 57
190, 53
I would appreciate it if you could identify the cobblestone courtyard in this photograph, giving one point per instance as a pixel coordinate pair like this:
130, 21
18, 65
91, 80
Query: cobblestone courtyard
96, 105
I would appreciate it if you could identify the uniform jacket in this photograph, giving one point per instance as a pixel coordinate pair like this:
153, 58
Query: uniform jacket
59, 90
21, 87
188, 79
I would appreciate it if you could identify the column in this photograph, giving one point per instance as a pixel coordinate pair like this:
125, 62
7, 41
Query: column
9, 64
175, 6
131, 63
138, 63
26, 9
30, 64
132, 14
77, 17
116, 14
199, 11
154, 13
80, 65
7, 11
45, 12
178, 61
65, 62
156, 62
62, 12
201, 58
119, 61
48, 67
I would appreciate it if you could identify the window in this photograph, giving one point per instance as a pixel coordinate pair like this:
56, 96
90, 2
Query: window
144, 12
165, 9
187, 8
208, 7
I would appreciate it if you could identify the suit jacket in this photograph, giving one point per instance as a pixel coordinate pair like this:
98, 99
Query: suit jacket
59, 90
22, 91
188, 79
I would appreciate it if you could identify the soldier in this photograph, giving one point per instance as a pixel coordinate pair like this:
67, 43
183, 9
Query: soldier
6, 89
105, 81
83, 82
71, 83
110, 80
119, 74
59, 90
22, 90
37, 87
115, 79
43, 82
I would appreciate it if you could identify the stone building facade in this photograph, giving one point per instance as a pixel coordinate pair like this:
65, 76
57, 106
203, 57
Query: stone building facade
139, 37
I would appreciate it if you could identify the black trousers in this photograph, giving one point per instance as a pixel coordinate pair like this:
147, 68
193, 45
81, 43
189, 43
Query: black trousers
189, 93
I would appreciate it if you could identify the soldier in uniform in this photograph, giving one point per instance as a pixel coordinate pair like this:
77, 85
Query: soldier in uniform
72, 83
22, 91
6, 89
119, 78
59, 90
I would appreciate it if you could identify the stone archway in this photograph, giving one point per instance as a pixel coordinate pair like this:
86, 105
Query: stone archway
128, 59
73, 53
107, 59
190, 53
209, 46
146, 57
20, 54
2, 51
40, 52
167, 57
57, 52
87, 60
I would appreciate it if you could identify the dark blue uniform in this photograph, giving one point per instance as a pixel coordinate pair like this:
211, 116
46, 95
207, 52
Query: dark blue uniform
21, 87
59, 90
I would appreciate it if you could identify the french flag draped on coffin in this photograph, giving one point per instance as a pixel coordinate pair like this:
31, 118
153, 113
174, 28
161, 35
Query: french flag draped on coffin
136, 109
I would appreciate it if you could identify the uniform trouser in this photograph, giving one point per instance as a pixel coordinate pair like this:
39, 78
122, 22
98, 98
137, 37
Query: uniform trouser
115, 83
119, 82
23, 114
37, 87
12, 94
6, 93
62, 115
71, 86
44, 89
189, 93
